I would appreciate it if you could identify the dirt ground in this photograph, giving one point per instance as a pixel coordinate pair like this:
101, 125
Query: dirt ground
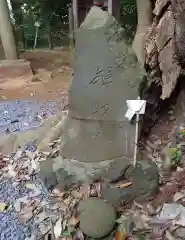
52, 71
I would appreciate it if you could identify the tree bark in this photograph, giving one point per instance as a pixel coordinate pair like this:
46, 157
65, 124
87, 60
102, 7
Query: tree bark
178, 7
50, 42
116, 10
6, 32
18, 16
144, 14
71, 28
75, 14
36, 37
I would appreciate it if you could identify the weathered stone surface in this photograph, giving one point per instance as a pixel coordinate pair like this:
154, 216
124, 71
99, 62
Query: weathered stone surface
53, 175
70, 172
144, 180
51, 135
118, 196
47, 175
180, 233
96, 133
95, 171
105, 74
65, 180
97, 218
96, 141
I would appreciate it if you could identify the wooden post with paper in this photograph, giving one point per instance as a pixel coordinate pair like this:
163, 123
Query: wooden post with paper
135, 107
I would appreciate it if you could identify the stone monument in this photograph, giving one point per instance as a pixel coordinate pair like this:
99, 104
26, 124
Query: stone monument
97, 140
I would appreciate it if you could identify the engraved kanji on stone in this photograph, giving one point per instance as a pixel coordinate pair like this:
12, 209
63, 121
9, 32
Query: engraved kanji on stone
107, 78
97, 133
106, 108
102, 76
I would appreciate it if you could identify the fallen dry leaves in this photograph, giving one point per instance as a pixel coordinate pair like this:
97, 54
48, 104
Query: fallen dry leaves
167, 191
55, 218
59, 218
3, 206
124, 185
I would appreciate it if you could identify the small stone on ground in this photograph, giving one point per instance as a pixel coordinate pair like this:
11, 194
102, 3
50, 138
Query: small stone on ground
97, 217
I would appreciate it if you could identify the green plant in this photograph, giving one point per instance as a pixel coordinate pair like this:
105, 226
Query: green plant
182, 132
68, 232
176, 156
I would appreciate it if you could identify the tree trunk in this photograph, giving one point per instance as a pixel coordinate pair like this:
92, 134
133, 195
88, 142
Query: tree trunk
116, 10
50, 42
178, 7
165, 48
36, 37
18, 16
144, 14
71, 28
6, 32
75, 14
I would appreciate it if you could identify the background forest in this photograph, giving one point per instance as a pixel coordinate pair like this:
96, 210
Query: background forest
53, 21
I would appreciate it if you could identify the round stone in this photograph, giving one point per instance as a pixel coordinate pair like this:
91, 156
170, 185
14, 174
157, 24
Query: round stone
180, 233
97, 217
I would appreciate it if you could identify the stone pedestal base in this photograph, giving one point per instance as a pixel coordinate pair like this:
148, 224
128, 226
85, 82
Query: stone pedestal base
14, 69
64, 174
108, 170
69, 172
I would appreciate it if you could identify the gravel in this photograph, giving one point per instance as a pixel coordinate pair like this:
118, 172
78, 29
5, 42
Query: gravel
25, 115
21, 116
10, 226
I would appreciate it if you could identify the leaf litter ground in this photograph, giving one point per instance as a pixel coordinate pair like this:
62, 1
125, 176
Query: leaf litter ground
29, 211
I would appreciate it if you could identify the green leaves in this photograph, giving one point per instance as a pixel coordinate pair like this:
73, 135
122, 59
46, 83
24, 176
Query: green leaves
68, 232
128, 16
176, 156
52, 15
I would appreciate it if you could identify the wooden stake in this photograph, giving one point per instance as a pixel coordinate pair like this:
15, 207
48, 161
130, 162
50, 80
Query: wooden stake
136, 138
110, 7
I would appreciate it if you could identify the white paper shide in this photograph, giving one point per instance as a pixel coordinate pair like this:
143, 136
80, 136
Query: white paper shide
135, 107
